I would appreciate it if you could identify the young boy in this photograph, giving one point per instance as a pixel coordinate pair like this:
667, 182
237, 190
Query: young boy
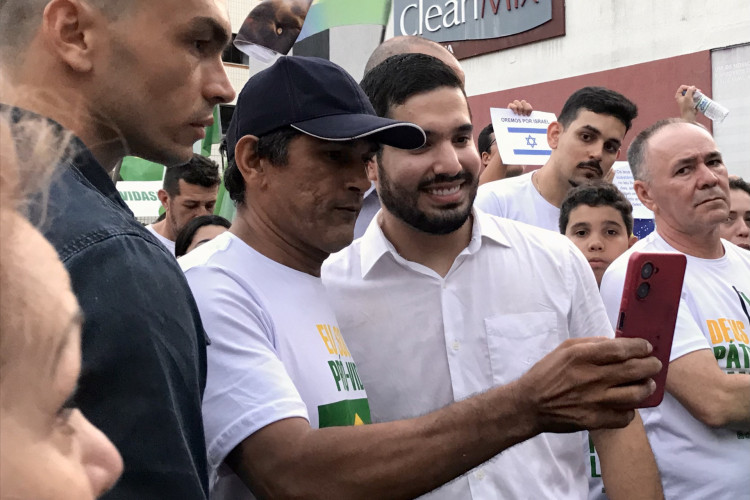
599, 220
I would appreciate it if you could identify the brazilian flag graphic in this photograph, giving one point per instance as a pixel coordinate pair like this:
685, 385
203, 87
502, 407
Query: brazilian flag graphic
347, 412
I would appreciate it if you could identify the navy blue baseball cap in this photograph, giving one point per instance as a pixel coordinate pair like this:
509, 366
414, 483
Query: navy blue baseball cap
318, 98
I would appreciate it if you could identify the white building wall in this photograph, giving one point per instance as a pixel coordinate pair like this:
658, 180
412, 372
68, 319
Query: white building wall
607, 34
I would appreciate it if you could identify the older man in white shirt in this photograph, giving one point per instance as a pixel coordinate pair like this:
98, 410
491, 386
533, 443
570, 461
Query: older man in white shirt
439, 301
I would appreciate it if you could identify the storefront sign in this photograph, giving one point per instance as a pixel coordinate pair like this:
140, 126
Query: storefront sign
472, 27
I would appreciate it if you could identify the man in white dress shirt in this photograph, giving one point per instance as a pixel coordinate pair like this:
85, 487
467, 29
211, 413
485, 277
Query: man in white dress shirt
439, 302
700, 433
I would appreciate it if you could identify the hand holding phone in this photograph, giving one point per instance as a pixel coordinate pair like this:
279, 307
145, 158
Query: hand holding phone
648, 309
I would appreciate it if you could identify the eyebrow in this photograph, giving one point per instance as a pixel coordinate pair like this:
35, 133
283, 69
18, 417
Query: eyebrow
615, 222
467, 127
596, 131
218, 32
713, 155
591, 129
693, 159
76, 321
580, 224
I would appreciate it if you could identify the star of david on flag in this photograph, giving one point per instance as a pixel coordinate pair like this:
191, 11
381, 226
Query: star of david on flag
522, 140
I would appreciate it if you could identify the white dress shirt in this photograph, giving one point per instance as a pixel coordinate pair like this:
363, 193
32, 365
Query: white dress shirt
423, 341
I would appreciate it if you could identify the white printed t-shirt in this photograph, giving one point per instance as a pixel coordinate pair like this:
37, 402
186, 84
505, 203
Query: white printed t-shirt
276, 352
516, 198
169, 244
423, 341
696, 461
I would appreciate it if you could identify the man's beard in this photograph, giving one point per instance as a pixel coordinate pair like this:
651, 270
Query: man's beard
593, 164
404, 203
173, 224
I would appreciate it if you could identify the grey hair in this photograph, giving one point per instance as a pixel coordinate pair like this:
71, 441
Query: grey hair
639, 146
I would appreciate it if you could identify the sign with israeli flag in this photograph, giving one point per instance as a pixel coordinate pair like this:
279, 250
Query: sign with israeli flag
522, 140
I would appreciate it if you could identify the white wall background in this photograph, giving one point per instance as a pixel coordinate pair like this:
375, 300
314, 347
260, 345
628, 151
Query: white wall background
606, 34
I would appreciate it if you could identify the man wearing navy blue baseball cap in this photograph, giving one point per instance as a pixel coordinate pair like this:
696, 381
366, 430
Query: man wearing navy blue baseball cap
284, 407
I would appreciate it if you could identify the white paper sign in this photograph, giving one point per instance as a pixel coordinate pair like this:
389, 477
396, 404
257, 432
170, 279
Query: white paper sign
522, 140
141, 196
624, 181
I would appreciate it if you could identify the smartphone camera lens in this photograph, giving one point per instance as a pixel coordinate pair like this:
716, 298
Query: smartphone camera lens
647, 270
643, 290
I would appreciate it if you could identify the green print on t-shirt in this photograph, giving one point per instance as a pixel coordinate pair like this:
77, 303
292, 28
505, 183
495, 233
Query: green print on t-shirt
347, 412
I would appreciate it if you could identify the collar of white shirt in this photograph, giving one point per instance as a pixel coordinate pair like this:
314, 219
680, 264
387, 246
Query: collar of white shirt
374, 245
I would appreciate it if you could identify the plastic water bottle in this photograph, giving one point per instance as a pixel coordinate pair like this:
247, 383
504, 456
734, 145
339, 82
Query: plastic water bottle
709, 107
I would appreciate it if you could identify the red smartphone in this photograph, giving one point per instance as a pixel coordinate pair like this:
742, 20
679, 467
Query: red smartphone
648, 309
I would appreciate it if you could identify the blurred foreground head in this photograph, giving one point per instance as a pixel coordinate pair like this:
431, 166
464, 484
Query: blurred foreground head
48, 448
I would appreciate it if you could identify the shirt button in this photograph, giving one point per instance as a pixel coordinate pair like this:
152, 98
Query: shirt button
456, 345
480, 474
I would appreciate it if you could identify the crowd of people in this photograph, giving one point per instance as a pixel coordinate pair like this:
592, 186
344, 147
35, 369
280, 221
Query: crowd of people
373, 323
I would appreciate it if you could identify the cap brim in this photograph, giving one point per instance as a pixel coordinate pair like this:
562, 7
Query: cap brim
347, 127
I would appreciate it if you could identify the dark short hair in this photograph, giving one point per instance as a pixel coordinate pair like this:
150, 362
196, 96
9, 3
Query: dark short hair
185, 237
597, 194
637, 149
484, 141
601, 101
739, 183
200, 171
399, 77
273, 146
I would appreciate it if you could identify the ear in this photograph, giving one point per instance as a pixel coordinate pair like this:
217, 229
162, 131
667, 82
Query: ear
617, 156
644, 194
372, 169
553, 134
163, 198
485, 158
248, 163
631, 241
68, 29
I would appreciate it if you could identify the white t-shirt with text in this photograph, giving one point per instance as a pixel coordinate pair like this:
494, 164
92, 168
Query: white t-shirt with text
276, 352
698, 462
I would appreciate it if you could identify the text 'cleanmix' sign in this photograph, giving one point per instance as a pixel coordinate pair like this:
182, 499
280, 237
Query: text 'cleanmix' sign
455, 20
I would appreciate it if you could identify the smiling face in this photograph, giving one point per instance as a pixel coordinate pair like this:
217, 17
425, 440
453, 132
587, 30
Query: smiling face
686, 183
587, 148
736, 228
600, 234
432, 188
159, 75
48, 449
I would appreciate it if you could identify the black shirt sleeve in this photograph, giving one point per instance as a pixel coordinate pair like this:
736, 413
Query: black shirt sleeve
144, 365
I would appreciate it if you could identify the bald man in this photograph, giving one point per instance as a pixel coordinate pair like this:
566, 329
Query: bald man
408, 44
405, 44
